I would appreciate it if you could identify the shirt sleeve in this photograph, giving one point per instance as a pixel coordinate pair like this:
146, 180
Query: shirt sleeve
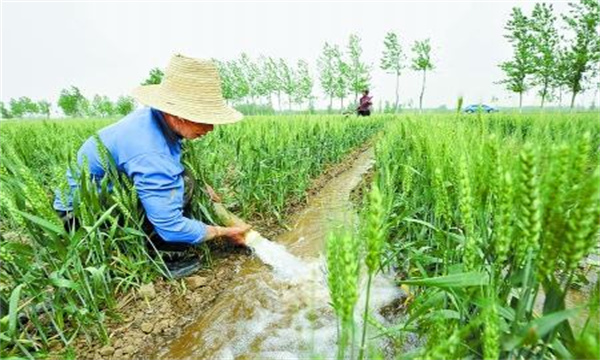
159, 182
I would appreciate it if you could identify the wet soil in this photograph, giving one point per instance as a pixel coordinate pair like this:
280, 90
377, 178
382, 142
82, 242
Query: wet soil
144, 323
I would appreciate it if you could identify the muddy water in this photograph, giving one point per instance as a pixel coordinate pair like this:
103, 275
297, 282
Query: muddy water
278, 307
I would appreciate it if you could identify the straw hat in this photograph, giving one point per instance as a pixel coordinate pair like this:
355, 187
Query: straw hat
190, 89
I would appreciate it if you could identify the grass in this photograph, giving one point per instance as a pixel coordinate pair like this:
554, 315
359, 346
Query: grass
63, 284
487, 214
478, 215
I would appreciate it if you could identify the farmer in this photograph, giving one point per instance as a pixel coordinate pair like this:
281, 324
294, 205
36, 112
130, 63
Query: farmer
365, 104
146, 145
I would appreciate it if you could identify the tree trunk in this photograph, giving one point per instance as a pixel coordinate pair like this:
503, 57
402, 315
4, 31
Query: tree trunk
422, 92
397, 93
330, 102
542, 104
544, 93
573, 100
279, 99
520, 102
342, 103
560, 97
290, 102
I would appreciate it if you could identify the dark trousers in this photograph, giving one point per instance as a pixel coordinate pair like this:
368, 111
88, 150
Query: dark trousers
156, 242
364, 112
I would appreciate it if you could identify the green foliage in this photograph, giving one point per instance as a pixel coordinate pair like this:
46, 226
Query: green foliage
392, 61
522, 200
154, 77
582, 53
327, 64
226, 79
124, 105
252, 75
459, 104
101, 106
422, 61
288, 80
358, 71
545, 40
393, 57
342, 277
66, 282
72, 102
521, 66
44, 108
341, 78
4, 111
304, 83
23, 106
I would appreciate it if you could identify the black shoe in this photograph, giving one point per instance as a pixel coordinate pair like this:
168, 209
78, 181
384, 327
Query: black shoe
180, 268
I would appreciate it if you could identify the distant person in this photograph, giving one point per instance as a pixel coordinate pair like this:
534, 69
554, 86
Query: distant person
146, 146
365, 104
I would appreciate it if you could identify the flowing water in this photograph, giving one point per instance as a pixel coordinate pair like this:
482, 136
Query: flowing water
277, 307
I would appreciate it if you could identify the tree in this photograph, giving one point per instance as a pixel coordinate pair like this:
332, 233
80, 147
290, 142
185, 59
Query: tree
521, 66
341, 75
252, 74
16, 108
595, 97
44, 107
545, 41
265, 82
72, 102
240, 85
422, 62
583, 52
273, 78
102, 106
358, 72
288, 80
392, 61
269, 78
226, 80
124, 105
4, 112
23, 106
304, 83
327, 65
154, 77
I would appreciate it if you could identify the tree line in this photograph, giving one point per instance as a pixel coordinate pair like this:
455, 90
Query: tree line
342, 73
72, 103
543, 58
548, 60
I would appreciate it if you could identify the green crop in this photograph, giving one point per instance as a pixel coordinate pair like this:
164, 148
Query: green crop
69, 281
491, 202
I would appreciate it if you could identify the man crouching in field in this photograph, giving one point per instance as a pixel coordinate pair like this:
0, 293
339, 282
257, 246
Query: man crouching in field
146, 145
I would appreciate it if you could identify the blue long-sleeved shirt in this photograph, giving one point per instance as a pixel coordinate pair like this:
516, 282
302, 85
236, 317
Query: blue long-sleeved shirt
145, 149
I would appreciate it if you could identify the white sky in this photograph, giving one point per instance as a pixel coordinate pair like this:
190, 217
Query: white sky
109, 47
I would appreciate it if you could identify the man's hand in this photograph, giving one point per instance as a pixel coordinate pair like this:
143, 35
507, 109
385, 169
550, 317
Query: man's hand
235, 234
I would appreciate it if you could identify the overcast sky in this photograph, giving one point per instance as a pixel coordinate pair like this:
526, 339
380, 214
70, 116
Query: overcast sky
108, 47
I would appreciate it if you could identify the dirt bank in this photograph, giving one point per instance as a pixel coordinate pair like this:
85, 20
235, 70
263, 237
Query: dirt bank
149, 318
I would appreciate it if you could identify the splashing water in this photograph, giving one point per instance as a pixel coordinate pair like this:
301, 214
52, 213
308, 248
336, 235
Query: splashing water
285, 266
278, 306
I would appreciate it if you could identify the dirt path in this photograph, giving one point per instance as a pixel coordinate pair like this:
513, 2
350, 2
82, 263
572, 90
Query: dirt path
144, 323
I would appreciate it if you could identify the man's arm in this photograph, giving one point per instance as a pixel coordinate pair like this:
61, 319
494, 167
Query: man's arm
159, 184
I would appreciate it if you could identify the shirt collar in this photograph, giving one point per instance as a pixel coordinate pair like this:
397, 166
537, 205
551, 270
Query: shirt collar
171, 136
